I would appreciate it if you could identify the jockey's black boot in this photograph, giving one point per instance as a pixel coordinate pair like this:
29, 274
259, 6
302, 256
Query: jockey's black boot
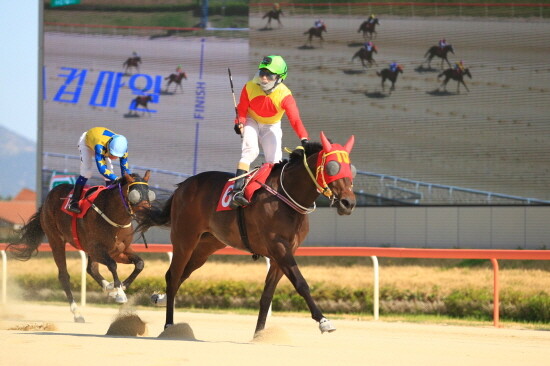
73, 204
238, 192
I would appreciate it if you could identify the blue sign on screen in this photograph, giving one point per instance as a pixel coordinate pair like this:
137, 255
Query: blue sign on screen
106, 87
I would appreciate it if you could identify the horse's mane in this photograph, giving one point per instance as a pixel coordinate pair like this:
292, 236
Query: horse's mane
297, 155
122, 179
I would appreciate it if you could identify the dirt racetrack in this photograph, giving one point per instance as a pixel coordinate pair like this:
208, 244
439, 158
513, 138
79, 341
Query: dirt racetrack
226, 339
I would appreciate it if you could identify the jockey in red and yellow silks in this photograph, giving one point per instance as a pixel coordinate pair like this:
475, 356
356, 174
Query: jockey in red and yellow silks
270, 108
263, 102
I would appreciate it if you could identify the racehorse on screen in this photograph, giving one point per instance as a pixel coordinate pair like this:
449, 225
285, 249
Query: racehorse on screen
276, 220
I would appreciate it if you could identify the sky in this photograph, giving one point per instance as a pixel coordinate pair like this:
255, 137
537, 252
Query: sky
19, 66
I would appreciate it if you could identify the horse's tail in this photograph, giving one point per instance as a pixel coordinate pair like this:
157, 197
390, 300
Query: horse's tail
428, 52
441, 74
378, 73
29, 237
154, 216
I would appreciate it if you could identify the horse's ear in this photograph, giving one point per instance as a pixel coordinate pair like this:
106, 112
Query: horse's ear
326, 144
147, 175
129, 178
349, 145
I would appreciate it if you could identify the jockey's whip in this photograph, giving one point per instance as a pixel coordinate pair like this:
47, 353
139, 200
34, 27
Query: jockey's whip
234, 100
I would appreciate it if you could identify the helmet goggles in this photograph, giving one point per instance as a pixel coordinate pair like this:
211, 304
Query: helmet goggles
268, 74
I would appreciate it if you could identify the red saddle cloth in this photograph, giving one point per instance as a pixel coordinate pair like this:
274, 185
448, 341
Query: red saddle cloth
255, 181
90, 195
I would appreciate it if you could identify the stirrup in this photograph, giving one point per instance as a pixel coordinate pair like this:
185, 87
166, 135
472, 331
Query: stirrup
238, 200
73, 207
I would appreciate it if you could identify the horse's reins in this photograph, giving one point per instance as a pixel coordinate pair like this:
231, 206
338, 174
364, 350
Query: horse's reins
128, 207
326, 191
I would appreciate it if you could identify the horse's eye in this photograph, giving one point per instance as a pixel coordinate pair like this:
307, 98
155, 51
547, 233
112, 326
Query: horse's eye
134, 197
151, 195
332, 167
353, 170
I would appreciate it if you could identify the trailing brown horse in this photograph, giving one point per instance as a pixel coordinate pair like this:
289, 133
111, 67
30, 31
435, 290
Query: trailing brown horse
391, 76
104, 233
315, 32
273, 14
365, 56
369, 28
276, 221
455, 75
439, 52
132, 62
176, 79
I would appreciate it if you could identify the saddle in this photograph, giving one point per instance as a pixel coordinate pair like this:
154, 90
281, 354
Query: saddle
89, 195
254, 180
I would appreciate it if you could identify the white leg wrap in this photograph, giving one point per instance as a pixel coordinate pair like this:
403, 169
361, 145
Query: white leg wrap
158, 299
326, 326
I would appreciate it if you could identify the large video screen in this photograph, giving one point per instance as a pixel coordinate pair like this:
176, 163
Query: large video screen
145, 70
419, 142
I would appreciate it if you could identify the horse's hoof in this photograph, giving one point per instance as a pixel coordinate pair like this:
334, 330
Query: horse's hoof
79, 319
158, 299
121, 299
326, 326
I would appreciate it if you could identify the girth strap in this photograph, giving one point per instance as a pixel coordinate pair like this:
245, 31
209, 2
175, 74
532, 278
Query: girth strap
244, 235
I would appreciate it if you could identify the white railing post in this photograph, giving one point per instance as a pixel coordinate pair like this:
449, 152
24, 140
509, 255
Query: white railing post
4, 277
376, 288
268, 263
83, 262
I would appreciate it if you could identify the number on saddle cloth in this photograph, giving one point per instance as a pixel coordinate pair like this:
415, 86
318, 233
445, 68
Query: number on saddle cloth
255, 180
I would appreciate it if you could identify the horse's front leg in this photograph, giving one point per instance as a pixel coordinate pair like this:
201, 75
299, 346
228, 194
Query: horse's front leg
128, 258
118, 292
93, 270
272, 279
463, 83
288, 265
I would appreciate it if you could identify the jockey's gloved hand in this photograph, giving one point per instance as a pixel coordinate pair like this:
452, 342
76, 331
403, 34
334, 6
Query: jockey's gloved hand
237, 129
304, 142
109, 182
239, 123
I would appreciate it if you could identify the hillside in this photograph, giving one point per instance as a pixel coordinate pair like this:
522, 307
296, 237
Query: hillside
17, 163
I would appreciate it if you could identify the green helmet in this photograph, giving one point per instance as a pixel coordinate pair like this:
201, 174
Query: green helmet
275, 64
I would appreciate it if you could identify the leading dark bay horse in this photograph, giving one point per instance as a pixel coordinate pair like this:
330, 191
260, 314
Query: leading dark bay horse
365, 56
176, 79
104, 233
455, 75
276, 221
273, 14
132, 62
315, 32
369, 28
391, 76
439, 52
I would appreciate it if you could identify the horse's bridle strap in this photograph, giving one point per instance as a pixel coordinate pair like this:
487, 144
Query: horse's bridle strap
96, 209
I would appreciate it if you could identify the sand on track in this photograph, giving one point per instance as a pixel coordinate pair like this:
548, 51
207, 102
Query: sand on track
226, 339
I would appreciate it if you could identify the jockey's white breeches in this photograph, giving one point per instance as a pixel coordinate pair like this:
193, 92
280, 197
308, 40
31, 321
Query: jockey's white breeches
87, 159
269, 136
